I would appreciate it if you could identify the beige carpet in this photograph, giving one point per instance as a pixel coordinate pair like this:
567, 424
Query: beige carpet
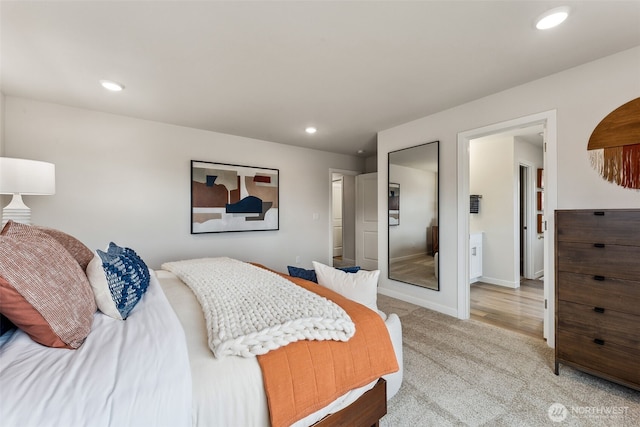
460, 373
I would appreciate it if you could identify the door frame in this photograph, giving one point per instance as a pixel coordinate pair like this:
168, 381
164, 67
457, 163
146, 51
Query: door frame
548, 119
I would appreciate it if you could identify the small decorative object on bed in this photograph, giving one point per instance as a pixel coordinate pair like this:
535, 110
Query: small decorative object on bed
228, 197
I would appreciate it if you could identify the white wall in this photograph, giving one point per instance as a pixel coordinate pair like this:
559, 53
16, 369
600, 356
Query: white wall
417, 211
1, 124
371, 164
3, 199
582, 96
491, 174
128, 180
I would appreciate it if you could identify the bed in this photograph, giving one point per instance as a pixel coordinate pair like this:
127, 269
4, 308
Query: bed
156, 367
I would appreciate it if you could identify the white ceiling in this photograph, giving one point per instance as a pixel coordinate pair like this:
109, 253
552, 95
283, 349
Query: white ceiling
268, 69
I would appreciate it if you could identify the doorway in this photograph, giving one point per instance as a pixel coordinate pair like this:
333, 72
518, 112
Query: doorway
548, 122
500, 168
342, 210
524, 223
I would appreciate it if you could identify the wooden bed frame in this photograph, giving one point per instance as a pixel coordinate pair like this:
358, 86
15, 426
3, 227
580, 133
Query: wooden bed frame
366, 411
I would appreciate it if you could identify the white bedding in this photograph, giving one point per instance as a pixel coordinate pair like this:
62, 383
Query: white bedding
127, 373
236, 395
140, 372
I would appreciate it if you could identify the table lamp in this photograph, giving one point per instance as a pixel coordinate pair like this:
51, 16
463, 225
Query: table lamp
21, 176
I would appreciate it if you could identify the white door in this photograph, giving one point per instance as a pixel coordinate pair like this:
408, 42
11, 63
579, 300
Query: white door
367, 221
336, 216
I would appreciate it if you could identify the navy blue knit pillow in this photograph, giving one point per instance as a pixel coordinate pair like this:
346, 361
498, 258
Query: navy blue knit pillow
143, 270
311, 274
302, 273
127, 277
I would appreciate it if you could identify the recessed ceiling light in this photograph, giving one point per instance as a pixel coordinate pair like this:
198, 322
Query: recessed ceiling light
360, 151
311, 130
111, 85
552, 18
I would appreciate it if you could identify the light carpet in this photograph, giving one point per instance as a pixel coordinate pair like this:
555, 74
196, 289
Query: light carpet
468, 373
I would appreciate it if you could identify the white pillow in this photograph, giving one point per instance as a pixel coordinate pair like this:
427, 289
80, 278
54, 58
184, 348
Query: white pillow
361, 287
101, 291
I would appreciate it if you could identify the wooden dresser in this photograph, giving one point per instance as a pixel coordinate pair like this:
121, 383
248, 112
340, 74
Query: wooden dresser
598, 293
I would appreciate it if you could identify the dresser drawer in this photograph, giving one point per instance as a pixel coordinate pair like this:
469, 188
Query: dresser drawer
597, 322
621, 262
599, 291
608, 360
621, 227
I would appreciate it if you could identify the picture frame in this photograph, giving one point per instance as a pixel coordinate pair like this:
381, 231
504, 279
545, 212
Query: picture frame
227, 198
540, 224
540, 178
394, 203
540, 200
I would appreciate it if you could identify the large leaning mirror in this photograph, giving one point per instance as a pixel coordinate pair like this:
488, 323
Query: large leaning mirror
413, 215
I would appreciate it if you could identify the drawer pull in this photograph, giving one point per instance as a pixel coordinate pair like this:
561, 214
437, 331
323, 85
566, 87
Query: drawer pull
598, 245
598, 341
599, 278
598, 213
598, 309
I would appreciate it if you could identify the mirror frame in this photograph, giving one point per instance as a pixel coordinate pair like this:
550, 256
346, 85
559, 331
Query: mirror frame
437, 211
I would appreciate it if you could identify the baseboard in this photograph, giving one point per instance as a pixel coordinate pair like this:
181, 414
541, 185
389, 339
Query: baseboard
418, 301
499, 282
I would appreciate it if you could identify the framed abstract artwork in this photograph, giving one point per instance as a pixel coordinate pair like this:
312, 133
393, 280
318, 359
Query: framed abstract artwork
227, 197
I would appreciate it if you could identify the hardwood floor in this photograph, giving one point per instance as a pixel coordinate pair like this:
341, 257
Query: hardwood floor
519, 310
339, 262
418, 270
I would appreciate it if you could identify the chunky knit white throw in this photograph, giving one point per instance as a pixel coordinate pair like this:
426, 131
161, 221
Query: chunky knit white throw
250, 311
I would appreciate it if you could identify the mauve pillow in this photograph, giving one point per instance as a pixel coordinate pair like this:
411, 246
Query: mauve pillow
75, 247
82, 254
52, 283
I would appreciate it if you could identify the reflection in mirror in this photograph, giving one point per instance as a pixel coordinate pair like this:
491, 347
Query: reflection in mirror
413, 215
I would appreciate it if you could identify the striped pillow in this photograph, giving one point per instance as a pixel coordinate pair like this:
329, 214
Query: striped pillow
52, 297
75, 247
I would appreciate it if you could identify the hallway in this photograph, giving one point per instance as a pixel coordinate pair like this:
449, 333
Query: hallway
519, 310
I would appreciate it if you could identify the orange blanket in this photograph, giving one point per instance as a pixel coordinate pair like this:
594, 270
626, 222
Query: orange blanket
305, 376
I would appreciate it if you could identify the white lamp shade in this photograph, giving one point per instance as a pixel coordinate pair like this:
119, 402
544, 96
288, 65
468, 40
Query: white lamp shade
30, 177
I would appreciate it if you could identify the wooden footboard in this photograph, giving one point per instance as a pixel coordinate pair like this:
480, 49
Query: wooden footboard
364, 412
